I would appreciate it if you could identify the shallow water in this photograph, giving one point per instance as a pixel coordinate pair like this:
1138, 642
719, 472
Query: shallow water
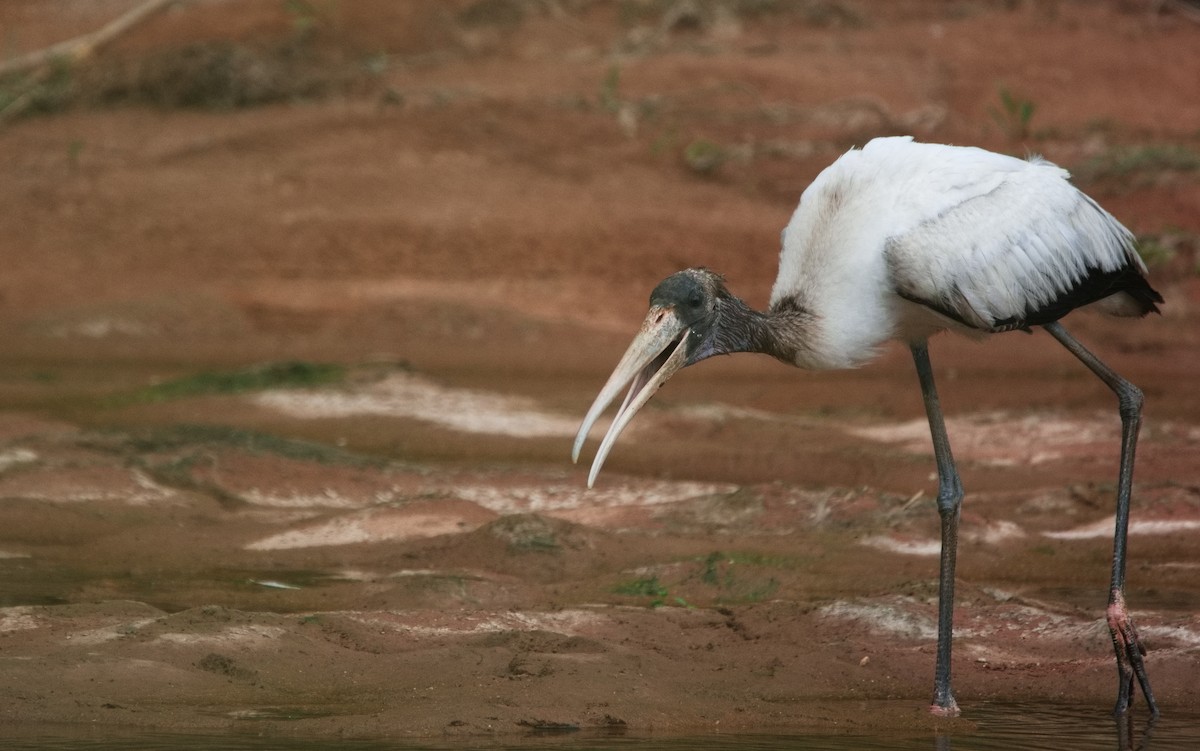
989, 727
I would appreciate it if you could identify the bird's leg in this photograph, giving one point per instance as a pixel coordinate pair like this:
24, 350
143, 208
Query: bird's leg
1125, 639
949, 502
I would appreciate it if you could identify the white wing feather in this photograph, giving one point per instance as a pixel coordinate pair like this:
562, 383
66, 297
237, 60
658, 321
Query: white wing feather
1019, 237
980, 236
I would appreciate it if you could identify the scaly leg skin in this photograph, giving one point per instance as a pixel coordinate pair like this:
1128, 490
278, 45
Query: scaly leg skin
1130, 651
1128, 647
949, 502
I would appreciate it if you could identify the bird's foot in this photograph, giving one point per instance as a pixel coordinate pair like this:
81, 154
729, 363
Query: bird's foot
1130, 651
943, 704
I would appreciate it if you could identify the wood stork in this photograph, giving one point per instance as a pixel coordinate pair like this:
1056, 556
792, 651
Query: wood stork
901, 240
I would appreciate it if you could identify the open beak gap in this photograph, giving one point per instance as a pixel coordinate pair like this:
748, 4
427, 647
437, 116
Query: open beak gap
660, 330
631, 407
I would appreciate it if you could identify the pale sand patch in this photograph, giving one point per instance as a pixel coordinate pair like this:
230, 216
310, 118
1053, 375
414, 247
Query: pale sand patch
992, 533
1027, 619
244, 634
468, 508
1181, 635
891, 618
381, 524
85, 484
325, 498
1105, 528
903, 547
17, 618
108, 633
543, 498
16, 457
101, 328
416, 397
1000, 439
568, 622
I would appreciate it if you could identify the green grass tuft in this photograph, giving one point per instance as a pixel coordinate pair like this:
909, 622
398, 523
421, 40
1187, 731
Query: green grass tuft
646, 587
1014, 115
1127, 162
292, 374
704, 157
201, 438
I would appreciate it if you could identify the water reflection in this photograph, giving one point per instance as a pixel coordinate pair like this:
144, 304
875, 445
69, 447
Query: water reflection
1128, 739
990, 728
1037, 727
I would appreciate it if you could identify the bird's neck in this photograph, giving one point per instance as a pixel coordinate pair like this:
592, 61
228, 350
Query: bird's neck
783, 332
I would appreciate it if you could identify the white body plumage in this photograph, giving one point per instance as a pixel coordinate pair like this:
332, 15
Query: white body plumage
901, 239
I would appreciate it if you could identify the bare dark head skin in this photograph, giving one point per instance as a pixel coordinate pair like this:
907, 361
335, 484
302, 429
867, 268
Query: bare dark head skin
718, 322
692, 317
696, 297
690, 291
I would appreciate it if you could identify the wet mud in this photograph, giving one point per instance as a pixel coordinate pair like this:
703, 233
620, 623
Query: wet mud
387, 538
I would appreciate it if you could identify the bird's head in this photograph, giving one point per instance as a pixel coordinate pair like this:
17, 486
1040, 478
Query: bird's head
681, 329
690, 301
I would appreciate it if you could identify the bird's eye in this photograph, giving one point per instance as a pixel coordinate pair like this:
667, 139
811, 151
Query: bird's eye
695, 300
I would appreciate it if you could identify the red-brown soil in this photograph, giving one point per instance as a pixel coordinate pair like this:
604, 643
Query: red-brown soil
472, 231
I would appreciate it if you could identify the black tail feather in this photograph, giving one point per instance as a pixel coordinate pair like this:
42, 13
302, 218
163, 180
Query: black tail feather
1094, 286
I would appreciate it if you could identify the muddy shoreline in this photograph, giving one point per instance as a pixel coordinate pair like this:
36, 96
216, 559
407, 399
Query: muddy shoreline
287, 391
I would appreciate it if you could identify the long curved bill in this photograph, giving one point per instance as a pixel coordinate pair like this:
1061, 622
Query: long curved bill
657, 352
